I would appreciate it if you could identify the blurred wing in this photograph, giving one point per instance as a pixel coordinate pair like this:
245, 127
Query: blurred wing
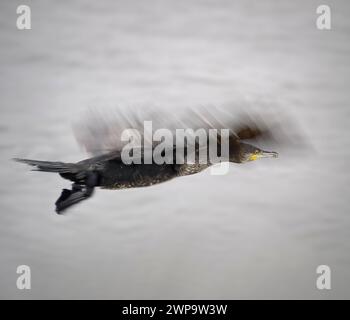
99, 131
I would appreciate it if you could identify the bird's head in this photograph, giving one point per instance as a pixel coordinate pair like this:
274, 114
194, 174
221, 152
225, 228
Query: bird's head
247, 152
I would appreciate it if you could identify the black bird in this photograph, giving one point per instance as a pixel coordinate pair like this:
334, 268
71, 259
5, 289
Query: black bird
109, 171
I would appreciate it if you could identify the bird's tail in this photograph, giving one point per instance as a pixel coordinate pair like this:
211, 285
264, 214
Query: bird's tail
51, 166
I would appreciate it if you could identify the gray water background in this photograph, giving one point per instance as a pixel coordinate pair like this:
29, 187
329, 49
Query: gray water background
258, 232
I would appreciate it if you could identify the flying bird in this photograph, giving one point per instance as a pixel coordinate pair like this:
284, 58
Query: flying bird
100, 134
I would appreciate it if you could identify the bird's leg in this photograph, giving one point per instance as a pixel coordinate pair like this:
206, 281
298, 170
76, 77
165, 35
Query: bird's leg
76, 187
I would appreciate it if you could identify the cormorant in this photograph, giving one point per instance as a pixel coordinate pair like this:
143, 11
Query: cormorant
110, 172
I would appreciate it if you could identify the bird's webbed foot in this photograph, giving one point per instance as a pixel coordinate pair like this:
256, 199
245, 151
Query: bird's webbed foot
71, 197
78, 193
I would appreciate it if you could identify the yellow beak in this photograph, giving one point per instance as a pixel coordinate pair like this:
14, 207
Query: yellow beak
263, 154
